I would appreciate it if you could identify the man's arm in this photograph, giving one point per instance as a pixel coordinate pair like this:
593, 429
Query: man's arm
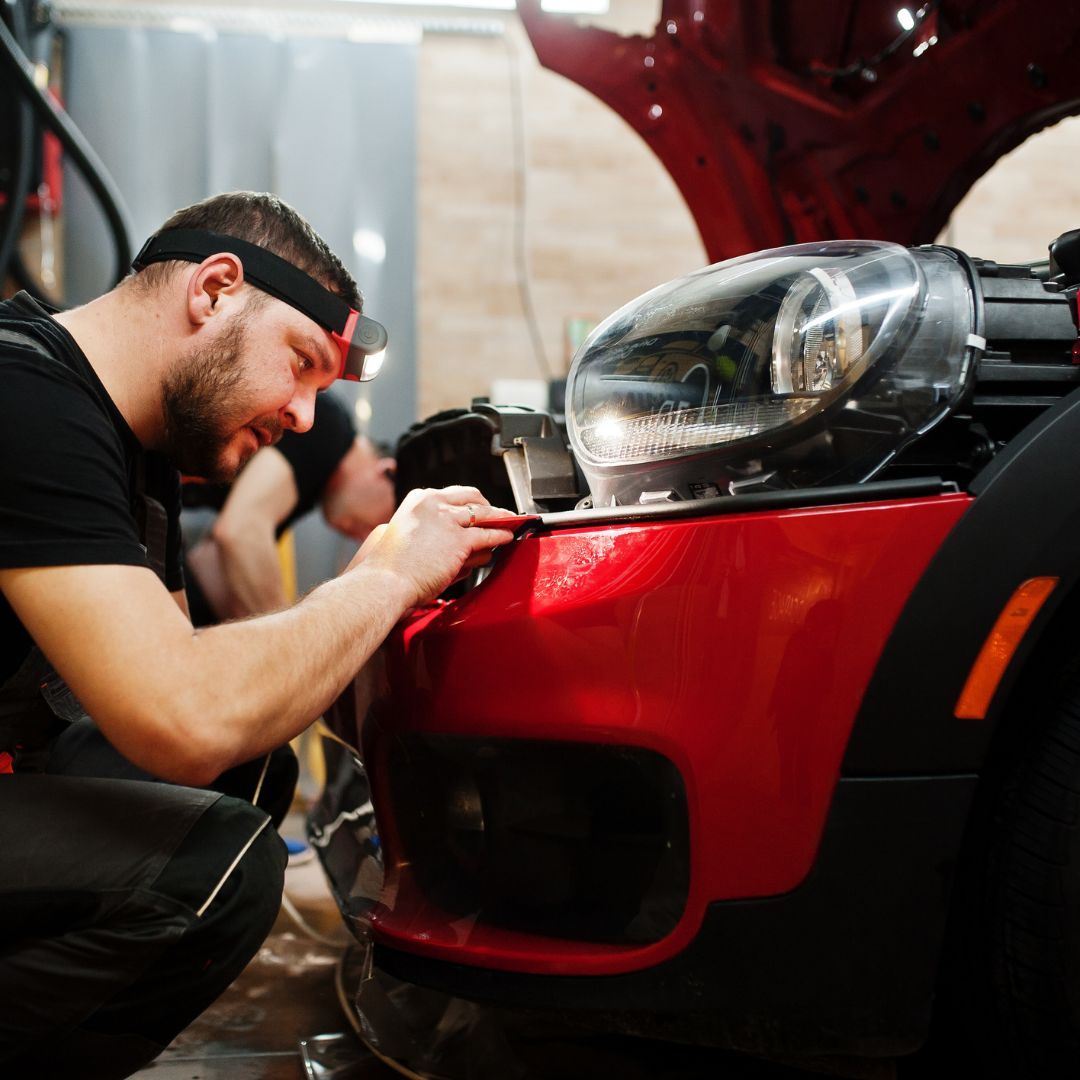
185, 704
239, 557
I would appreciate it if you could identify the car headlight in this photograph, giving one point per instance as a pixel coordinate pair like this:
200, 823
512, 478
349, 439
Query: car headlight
718, 377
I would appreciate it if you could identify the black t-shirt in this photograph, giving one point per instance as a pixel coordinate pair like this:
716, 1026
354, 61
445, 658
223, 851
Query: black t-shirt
312, 456
67, 482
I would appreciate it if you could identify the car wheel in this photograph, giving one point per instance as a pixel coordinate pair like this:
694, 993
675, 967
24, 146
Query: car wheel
1014, 965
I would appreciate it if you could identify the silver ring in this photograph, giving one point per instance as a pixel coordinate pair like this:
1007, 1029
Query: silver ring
472, 515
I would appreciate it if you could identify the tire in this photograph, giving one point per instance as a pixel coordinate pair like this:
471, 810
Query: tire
1018, 912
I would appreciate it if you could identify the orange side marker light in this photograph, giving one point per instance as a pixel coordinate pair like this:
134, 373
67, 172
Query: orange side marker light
1009, 630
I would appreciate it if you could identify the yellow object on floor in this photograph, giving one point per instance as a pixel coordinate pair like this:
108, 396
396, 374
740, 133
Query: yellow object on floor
307, 747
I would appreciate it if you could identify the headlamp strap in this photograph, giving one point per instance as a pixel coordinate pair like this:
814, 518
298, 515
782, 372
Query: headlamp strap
264, 269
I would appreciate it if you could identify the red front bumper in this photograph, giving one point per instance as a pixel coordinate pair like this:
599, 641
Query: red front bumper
737, 647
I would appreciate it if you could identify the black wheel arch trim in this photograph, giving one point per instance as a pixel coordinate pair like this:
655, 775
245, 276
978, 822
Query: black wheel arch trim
1024, 522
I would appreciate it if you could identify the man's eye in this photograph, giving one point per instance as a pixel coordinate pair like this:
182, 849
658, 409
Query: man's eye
306, 363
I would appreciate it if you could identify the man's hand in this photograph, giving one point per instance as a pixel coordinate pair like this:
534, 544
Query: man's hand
433, 537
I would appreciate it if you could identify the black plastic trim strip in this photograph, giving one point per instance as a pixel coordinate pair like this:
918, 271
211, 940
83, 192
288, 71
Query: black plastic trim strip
877, 491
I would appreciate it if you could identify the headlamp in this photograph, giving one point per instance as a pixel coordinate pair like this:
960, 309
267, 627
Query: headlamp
791, 367
359, 340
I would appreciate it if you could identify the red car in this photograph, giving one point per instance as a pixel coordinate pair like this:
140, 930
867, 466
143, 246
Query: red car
765, 731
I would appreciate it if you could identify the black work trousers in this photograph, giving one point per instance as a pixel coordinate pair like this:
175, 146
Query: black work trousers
127, 905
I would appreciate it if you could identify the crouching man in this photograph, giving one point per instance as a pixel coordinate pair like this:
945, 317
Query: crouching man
132, 891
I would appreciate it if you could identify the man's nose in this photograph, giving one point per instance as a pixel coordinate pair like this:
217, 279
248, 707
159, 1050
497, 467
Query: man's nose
299, 414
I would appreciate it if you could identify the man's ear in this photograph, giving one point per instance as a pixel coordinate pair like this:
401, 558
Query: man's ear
216, 279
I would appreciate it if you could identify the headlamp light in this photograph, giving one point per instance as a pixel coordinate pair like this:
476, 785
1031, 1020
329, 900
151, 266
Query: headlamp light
721, 375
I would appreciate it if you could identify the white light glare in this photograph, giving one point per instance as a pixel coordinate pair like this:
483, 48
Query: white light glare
905, 18
607, 431
859, 302
370, 245
373, 364
362, 408
920, 48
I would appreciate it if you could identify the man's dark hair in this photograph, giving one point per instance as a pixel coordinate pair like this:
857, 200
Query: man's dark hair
263, 219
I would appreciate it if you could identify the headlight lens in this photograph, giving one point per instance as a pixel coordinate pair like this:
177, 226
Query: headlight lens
734, 361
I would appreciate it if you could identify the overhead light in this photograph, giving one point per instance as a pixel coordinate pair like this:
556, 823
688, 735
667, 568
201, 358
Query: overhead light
579, 7
184, 25
562, 7
370, 245
905, 19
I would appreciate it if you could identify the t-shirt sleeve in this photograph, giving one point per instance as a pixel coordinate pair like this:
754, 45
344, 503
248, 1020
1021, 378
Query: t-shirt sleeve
64, 489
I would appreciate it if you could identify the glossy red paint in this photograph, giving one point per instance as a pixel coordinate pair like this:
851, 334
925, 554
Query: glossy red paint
782, 122
737, 646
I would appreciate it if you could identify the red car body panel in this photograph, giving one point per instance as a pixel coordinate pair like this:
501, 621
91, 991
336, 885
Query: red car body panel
785, 122
737, 646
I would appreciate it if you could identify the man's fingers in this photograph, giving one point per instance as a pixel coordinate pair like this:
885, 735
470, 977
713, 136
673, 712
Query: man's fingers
462, 493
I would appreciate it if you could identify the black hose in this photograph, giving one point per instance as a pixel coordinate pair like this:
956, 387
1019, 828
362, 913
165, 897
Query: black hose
81, 152
15, 208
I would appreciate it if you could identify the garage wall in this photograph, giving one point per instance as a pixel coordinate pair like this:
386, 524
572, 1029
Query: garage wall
601, 218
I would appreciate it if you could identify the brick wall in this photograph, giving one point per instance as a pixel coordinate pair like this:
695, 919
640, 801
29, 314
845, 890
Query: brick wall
602, 219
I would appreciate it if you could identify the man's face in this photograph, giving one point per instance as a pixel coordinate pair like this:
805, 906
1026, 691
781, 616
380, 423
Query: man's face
360, 492
242, 388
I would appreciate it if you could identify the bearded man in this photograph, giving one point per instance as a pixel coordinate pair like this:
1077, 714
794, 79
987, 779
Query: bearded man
132, 891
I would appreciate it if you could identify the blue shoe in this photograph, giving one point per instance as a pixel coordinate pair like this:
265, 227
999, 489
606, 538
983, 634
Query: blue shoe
299, 851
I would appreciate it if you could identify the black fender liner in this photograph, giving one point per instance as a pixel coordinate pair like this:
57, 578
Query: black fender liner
1024, 522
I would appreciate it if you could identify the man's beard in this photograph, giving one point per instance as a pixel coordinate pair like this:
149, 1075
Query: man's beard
202, 400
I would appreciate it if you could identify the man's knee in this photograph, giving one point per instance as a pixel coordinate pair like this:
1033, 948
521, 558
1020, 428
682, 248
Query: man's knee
235, 901
230, 870
250, 896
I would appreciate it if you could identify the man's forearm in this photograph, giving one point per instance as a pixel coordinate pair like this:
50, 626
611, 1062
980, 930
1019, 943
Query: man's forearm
245, 533
264, 680
252, 575
186, 704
